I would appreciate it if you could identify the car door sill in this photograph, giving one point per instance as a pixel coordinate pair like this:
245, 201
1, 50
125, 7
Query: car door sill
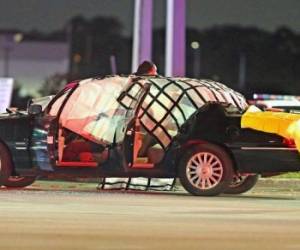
76, 164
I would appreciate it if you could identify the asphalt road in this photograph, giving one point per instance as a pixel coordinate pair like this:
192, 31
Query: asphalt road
57, 218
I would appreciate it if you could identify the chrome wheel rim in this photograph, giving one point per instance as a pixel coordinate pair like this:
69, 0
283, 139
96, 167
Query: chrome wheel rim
204, 170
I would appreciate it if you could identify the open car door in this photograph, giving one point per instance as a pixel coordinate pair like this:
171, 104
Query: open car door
132, 135
93, 120
44, 135
88, 122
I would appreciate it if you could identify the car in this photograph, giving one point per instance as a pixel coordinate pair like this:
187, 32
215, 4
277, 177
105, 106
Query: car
142, 126
284, 103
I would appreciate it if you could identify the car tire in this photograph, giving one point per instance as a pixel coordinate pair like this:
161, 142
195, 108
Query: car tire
18, 181
242, 184
205, 170
5, 164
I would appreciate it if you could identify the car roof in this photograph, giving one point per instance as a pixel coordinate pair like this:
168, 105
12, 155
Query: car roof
205, 89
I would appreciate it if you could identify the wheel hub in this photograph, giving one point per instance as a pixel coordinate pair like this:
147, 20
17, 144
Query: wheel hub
204, 170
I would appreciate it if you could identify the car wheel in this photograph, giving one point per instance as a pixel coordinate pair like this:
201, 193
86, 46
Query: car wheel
19, 181
5, 164
241, 184
205, 170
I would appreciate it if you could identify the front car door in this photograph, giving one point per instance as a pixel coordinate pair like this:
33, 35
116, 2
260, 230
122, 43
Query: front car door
43, 146
84, 126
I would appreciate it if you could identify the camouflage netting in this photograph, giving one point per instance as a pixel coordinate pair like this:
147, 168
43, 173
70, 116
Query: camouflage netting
170, 102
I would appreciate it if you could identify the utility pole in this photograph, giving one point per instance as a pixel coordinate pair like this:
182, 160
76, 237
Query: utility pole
242, 70
8, 44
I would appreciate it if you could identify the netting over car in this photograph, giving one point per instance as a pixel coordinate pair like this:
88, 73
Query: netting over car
99, 109
171, 101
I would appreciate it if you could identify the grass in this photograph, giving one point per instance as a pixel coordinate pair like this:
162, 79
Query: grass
291, 175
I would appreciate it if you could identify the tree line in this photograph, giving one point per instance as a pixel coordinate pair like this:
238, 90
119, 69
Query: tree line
266, 62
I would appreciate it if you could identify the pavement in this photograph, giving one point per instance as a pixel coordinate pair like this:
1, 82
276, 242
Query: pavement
264, 185
61, 215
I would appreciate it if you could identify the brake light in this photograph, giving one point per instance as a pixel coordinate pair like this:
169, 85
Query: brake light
289, 143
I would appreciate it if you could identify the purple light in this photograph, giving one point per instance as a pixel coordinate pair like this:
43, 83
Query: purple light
142, 37
175, 38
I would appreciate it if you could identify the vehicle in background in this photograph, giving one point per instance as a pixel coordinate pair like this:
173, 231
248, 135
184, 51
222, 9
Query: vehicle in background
284, 103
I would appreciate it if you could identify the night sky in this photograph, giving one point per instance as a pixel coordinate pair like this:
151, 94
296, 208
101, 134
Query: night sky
49, 15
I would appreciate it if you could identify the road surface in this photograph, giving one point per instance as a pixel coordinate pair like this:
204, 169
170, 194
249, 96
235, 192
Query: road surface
43, 218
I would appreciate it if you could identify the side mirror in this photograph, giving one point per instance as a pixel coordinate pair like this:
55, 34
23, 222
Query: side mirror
29, 103
35, 109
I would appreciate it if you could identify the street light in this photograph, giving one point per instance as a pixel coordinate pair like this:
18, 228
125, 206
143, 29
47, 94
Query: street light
18, 37
195, 45
242, 70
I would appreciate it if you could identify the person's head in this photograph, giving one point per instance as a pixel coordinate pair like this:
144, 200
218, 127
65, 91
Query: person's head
146, 68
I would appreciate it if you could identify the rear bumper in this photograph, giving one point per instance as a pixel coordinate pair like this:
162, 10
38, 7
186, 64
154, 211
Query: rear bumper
266, 159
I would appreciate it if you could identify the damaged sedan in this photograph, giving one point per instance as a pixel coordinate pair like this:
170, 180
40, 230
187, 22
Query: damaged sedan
143, 126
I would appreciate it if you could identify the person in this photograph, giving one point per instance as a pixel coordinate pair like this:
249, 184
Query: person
146, 68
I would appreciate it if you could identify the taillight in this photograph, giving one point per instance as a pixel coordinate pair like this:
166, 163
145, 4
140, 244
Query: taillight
289, 143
